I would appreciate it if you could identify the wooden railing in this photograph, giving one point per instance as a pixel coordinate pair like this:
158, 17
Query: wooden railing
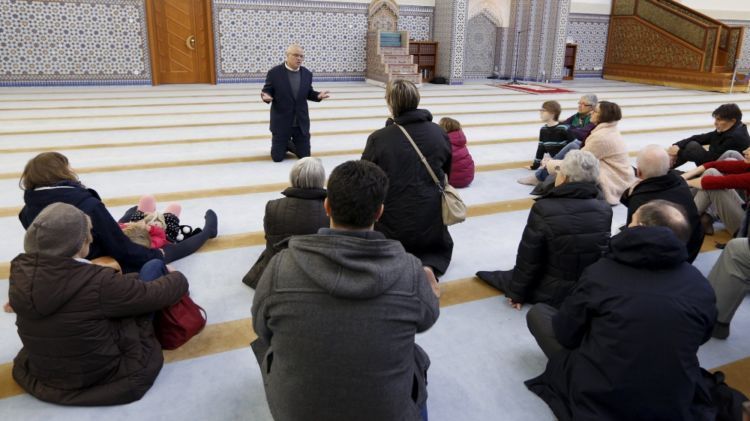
664, 42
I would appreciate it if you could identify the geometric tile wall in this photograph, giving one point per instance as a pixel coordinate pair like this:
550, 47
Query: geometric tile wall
251, 36
450, 30
481, 37
73, 42
590, 33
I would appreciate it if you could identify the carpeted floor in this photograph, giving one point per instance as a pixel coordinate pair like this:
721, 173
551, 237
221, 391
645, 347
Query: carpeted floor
207, 146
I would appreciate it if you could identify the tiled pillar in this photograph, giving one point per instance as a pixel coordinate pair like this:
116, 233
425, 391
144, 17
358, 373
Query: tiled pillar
543, 26
450, 32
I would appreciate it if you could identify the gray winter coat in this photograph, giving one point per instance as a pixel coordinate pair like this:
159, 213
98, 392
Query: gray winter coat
336, 314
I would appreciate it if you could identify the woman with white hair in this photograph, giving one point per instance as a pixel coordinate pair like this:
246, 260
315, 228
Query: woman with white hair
567, 230
300, 212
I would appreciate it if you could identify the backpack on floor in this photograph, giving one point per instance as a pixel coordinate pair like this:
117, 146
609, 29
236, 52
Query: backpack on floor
176, 324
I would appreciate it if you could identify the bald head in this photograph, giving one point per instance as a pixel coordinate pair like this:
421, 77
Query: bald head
662, 213
653, 161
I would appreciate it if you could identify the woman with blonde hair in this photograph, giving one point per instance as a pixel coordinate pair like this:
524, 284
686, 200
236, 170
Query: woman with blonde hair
413, 213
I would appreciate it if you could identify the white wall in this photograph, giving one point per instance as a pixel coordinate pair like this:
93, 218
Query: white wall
717, 9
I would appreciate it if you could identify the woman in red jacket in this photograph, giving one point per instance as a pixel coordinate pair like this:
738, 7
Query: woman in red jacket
718, 182
462, 164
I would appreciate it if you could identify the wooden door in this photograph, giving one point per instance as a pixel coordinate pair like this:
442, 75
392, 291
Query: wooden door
180, 37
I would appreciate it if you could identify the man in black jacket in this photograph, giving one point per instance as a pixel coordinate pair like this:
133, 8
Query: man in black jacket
288, 88
623, 345
656, 181
730, 135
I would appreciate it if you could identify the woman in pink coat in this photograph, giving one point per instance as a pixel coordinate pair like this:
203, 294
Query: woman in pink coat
462, 164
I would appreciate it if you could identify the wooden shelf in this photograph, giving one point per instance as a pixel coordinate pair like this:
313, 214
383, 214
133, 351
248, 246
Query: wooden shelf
425, 57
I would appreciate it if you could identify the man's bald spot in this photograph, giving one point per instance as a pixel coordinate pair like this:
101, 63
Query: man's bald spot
653, 161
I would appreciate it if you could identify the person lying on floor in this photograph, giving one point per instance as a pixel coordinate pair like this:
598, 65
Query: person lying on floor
300, 212
567, 230
87, 335
623, 345
730, 135
656, 181
48, 178
336, 314
717, 183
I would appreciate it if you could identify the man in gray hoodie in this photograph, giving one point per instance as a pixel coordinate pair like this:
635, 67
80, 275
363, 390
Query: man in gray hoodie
336, 314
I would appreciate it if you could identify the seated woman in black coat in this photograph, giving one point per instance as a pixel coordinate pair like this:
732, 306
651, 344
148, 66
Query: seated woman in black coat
48, 179
413, 212
301, 212
567, 230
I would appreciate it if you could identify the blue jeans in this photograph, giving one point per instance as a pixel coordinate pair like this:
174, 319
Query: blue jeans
542, 173
153, 269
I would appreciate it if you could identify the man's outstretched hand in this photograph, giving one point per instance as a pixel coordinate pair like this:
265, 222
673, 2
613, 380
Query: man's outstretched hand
323, 95
265, 97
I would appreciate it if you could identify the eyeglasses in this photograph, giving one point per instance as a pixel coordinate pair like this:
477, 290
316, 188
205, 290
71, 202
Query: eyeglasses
584, 104
298, 55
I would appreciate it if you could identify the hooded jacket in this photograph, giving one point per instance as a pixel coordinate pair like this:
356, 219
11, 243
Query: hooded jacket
462, 164
85, 339
336, 314
672, 188
632, 329
567, 230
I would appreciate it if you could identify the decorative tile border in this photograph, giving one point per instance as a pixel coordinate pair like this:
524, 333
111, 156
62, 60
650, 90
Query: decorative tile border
73, 42
251, 36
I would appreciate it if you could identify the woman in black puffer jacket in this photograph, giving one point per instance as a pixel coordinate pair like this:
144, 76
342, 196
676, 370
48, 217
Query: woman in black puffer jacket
301, 212
567, 230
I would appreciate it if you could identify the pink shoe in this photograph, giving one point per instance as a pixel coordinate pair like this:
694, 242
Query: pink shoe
147, 204
174, 209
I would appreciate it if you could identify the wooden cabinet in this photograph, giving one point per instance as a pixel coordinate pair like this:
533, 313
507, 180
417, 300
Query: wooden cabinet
425, 57
569, 68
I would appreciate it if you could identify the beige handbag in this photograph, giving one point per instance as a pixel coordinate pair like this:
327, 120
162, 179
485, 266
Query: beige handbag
454, 209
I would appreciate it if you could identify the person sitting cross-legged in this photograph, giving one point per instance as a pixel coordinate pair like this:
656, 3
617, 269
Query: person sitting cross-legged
717, 183
656, 181
567, 230
87, 332
299, 212
336, 314
730, 135
623, 345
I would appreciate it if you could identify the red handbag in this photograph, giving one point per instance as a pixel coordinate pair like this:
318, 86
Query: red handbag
176, 324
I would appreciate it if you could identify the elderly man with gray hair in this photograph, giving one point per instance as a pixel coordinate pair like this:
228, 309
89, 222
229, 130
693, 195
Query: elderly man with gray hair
288, 88
580, 126
300, 212
657, 181
567, 230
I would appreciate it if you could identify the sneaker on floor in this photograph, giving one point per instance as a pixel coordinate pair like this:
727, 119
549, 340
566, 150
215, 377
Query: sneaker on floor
529, 181
721, 330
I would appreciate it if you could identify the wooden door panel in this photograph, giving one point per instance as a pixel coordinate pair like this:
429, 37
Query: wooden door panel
177, 59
